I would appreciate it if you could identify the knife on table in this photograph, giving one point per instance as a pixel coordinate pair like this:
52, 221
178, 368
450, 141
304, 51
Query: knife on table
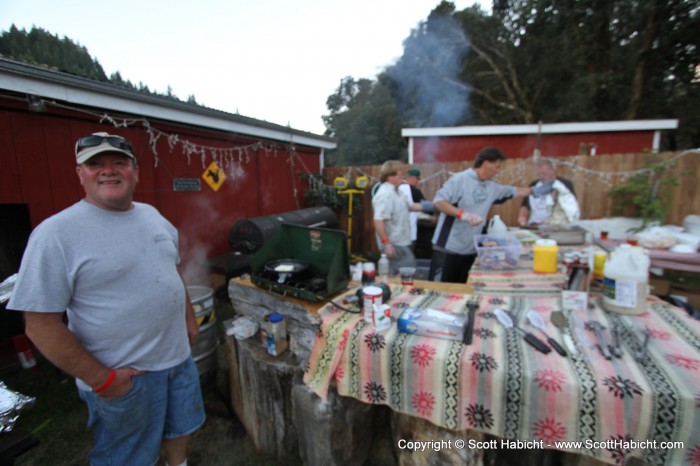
602, 342
472, 306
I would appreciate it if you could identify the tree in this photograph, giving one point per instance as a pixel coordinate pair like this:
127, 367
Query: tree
43, 48
544, 60
364, 120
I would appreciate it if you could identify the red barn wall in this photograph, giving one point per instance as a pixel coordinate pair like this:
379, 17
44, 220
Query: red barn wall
38, 169
458, 148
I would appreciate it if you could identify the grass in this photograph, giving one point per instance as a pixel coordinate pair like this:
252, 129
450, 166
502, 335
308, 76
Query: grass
58, 416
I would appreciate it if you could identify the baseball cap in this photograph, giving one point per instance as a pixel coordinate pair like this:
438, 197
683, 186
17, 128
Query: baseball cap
97, 143
413, 172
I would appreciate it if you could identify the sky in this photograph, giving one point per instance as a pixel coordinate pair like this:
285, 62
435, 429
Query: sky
274, 60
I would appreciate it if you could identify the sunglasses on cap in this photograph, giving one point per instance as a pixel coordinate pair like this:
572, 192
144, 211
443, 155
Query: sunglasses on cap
95, 140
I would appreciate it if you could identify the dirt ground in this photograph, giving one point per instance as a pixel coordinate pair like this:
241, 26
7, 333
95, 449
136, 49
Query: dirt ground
58, 417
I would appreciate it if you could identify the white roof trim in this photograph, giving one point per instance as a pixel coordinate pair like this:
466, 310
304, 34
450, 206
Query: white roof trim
75, 94
549, 128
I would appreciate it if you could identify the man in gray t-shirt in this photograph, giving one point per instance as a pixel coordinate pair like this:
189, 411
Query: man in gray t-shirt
464, 202
110, 264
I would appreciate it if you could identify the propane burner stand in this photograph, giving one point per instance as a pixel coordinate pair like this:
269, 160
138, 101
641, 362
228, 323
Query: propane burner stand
324, 250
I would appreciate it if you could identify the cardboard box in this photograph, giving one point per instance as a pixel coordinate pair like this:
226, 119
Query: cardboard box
432, 323
659, 286
691, 295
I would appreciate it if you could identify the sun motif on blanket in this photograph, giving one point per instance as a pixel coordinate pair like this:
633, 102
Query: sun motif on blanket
549, 430
622, 387
549, 379
694, 455
478, 416
339, 373
375, 392
423, 403
683, 362
484, 333
375, 342
620, 454
422, 355
659, 334
483, 362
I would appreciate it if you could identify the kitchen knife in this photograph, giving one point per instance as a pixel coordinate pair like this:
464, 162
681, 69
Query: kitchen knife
602, 343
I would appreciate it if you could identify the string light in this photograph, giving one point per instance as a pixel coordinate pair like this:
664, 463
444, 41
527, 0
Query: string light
221, 154
189, 149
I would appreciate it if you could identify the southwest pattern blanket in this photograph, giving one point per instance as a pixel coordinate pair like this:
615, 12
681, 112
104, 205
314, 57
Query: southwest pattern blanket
502, 386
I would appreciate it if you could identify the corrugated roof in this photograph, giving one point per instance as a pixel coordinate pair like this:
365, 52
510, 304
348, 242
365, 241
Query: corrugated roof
51, 84
547, 128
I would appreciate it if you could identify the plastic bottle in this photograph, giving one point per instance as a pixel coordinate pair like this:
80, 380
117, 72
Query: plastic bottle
277, 334
383, 269
497, 227
626, 280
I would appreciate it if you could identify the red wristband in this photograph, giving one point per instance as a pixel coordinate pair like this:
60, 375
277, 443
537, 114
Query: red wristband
459, 214
385, 240
108, 382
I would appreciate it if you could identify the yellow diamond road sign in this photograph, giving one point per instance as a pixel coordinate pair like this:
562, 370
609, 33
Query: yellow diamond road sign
214, 176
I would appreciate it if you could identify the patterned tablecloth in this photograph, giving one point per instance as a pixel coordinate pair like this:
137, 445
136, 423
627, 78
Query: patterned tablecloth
502, 386
522, 280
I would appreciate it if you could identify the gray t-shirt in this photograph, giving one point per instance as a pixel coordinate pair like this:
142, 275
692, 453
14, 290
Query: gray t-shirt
471, 194
115, 273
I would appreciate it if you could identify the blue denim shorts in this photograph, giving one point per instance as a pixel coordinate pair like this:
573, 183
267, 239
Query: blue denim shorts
129, 429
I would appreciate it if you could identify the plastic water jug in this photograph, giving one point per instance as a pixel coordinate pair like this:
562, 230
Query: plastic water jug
626, 280
496, 226
545, 256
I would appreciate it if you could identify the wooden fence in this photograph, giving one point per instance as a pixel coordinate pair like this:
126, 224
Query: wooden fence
593, 177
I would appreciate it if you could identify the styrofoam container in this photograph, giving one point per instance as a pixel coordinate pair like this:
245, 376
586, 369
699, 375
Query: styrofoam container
504, 255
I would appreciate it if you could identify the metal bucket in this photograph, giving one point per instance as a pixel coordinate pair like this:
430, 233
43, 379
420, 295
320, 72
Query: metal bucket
204, 349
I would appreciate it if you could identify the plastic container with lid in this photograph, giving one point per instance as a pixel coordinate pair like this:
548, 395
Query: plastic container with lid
545, 256
626, 280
